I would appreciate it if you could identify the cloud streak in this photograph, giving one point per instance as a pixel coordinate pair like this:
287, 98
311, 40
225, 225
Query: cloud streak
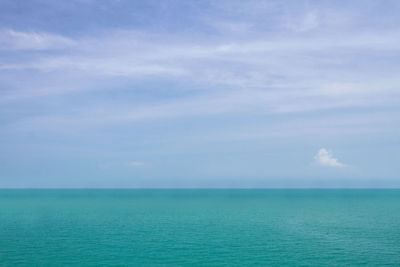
136, 164
19, 40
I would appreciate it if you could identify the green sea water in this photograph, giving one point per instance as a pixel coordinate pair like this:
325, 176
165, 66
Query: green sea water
185, 227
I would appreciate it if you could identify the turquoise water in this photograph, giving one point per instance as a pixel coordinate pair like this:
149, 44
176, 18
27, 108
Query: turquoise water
200, 227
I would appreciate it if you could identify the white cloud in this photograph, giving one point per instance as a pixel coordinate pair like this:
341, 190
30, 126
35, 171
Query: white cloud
325, 158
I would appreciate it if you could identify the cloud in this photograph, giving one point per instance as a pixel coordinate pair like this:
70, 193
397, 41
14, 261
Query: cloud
136, 164
132, 164
307, 23
325, 158
256, 73
16, 40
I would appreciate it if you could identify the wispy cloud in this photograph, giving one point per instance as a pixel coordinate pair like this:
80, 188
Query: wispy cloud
19, 40
325, 158
308, 22
136, 164
132, 164
294, 69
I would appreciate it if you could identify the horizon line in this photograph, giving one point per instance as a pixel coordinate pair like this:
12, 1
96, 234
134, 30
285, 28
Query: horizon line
188, 188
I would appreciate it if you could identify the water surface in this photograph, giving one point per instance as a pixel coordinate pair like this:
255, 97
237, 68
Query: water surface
177, 227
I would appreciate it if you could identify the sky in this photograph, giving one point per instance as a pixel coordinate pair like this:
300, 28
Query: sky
177, 94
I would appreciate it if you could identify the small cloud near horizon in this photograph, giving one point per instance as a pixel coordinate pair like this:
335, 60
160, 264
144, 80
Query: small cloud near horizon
123, 164
136, 164
325, 158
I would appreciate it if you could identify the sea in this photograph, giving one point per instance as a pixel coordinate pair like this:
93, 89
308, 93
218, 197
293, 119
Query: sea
199, 227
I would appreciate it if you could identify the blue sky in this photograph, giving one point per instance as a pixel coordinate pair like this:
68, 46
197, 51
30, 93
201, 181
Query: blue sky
199, 93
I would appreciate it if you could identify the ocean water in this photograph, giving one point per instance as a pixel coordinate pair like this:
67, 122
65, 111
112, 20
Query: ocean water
185, 227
